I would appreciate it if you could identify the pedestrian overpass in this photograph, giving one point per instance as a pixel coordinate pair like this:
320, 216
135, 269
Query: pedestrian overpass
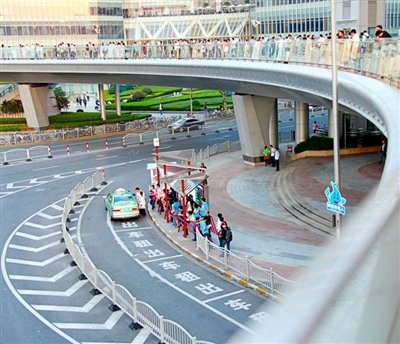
353, 294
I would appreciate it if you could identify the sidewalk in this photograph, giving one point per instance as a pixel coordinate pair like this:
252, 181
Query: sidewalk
262, 229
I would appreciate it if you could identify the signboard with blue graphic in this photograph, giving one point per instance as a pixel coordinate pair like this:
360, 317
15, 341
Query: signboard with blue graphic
335, 200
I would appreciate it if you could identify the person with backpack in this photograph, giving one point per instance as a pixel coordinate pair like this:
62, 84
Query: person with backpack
228, 234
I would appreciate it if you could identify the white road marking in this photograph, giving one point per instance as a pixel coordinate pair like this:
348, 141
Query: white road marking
108, 157
49, 217
108, 325
18, 296
35, 225
32, 263
84, 309
142, 336
11, 186
223, 296
35, 237
71, 291
57, 207
53, 279
163, 258
45, 168
132, 229
32, 249
173, 286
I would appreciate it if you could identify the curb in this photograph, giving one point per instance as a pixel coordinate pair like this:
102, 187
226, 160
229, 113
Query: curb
211, 266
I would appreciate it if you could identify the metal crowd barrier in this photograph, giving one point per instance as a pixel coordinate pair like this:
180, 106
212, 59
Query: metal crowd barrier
274, 283
140, 312
21, 154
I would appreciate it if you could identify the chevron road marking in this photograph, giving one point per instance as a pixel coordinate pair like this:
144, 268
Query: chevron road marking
35, 181
35, 237
11, 186
78, 285
108, 325
32, 263
49, 217
35, 225
142, 336
4, 193
32, 249
53, 279
84, 309
57, 207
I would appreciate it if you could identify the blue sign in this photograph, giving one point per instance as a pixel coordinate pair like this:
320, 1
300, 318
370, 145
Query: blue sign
335, 200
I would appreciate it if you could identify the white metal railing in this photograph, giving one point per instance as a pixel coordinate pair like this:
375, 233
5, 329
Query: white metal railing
274, 283
166, 330
218, 148
376, 58
20, 154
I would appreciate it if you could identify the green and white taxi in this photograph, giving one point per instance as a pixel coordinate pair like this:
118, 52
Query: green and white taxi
121, 204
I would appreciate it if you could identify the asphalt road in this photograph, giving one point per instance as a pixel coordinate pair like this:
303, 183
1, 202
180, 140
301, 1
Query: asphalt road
42, 294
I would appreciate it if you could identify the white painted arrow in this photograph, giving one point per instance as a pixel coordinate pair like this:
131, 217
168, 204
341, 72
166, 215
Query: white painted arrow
108, 325
84, 309
71, 291
49, 217
35, 225
33, 263
11, 186
53, 279
35, 181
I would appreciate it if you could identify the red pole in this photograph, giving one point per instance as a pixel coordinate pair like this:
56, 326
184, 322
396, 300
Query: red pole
106, 144
185, 230
166, 196
188, 163
67, 149
49, 151
87, 147
158, 172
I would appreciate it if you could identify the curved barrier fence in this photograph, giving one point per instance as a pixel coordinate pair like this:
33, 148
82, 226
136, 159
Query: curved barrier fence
141, 313
376, 58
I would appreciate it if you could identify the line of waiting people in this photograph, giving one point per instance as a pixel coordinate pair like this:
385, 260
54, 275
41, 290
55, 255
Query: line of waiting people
198, 218
273, 47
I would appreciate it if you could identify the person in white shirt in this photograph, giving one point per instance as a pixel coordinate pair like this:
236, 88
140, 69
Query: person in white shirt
273, 150
277, 156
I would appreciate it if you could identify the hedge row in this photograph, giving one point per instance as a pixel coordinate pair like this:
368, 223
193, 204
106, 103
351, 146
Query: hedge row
12, 120
315, 143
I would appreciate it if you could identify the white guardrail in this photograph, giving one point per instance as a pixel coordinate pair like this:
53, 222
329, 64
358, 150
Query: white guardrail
275, 284
21, 154
142, 314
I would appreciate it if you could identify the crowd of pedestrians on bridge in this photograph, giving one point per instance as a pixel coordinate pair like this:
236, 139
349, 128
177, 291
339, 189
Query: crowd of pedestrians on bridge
274, 47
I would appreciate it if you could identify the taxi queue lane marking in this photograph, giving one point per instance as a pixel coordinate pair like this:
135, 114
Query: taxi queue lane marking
170, 284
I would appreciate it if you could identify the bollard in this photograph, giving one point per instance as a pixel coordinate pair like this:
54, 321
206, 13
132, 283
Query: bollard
123, 142
87, 147
49, 152
67, 149
103, 177
106, 144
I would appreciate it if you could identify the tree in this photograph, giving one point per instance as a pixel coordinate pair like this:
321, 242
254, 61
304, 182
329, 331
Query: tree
61, 98
11, 107
206, 4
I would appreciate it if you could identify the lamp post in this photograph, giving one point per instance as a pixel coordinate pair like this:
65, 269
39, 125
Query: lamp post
335, 114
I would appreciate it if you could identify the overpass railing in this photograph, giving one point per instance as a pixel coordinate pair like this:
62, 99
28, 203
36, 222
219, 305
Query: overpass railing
141, 313
374, 58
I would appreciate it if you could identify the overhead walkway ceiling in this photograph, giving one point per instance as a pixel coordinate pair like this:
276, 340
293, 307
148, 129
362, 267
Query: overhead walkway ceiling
357, 94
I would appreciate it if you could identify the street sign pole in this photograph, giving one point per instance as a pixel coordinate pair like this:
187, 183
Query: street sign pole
156, 143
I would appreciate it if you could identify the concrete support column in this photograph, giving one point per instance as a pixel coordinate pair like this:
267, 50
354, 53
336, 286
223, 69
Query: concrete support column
257, 119
302, 122
102, 103
38, 102
117, 101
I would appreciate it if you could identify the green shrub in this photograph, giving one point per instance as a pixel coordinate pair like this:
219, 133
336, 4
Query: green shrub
13, 127
138, 95
370, 140
19, 120
315, 143
196, 103
147, 90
